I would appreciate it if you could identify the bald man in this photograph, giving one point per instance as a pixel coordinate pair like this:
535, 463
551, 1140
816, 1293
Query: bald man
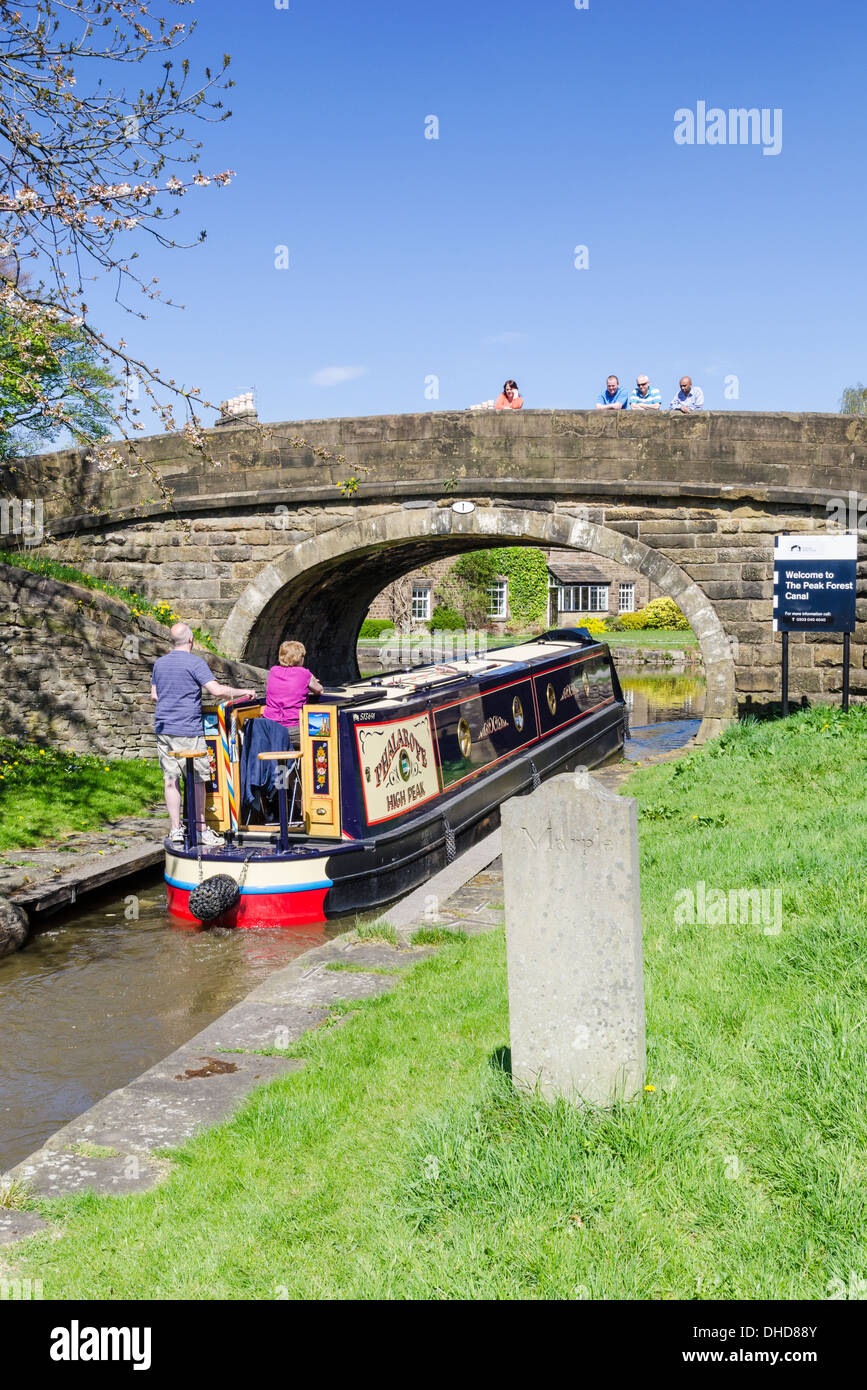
688, 398
177, 682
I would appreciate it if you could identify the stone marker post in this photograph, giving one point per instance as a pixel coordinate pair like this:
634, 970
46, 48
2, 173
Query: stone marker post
573, 940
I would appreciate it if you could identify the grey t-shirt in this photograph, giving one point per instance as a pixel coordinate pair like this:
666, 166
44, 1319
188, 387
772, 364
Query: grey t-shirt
179, 677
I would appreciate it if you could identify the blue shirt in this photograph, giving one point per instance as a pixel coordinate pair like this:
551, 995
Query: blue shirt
620, 397
695, 399
179, 677
652, 398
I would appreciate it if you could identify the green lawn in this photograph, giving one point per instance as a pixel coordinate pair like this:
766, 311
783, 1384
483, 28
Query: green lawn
657, 638
45, 793
401, 1164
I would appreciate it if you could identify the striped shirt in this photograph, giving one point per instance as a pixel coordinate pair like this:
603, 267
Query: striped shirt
652, 398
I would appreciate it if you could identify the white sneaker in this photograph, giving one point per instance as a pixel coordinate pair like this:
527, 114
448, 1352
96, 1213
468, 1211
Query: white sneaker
208, 838
176, 837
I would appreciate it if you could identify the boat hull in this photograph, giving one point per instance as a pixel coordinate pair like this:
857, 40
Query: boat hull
315, 883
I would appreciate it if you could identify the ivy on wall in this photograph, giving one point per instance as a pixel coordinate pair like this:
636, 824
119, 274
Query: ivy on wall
464, 589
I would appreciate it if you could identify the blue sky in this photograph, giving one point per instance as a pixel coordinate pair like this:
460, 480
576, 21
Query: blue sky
412, 258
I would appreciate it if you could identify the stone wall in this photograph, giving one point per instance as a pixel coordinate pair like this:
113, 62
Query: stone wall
76, 667
261, 542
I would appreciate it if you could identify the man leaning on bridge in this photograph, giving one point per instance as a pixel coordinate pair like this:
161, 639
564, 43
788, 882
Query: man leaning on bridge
177, 682
688, 398
614, 397
645, 396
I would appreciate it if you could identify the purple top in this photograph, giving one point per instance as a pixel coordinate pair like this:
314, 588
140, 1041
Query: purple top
285, 693
178, 677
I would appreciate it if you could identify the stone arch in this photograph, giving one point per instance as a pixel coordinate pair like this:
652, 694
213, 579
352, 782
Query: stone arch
327, 583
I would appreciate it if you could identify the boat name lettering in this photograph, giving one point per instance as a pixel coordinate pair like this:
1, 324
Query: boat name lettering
406, 796
491, 725
367, 714
402, 738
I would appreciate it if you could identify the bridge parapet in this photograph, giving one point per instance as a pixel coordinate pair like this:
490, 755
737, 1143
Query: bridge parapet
767, 457
263, 543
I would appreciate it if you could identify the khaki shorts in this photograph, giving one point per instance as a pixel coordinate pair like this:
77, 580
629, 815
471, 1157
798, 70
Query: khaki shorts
174, 768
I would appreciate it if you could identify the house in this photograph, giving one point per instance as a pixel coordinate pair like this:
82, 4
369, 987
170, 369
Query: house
582, 584
579, 584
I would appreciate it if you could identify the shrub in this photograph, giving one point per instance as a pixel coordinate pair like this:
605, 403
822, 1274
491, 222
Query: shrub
664, 612
446, 620
629, 622
595, 625
374, 627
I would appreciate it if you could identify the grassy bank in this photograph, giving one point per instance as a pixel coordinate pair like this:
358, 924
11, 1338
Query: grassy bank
45, 793
400, 1163
162, 612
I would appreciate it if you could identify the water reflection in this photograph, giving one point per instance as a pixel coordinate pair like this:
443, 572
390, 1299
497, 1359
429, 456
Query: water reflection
664, 710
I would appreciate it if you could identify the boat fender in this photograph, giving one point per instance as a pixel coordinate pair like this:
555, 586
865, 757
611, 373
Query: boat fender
213, 897
451, 847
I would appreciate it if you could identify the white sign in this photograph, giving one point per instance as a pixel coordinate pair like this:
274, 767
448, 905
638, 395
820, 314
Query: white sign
816, 548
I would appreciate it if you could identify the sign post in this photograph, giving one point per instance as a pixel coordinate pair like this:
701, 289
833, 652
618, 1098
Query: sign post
814, 591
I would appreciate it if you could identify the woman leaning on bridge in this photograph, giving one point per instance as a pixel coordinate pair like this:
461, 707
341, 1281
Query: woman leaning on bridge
508, 398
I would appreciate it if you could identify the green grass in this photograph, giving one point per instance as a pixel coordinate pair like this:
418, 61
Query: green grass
162, 612
661, 639
438, 936
45, 793
375, 929
399, 1163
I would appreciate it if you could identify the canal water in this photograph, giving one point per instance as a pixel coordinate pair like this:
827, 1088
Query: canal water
101, 994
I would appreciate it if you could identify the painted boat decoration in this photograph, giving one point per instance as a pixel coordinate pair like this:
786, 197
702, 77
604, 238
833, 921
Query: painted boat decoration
394, 777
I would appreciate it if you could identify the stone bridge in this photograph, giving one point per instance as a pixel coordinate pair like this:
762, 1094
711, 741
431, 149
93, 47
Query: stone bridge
263, 539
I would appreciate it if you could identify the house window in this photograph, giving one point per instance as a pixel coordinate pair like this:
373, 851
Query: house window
420, 604
498, 599
583, 598
627, 598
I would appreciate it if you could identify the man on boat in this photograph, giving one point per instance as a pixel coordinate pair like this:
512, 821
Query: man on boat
177, 683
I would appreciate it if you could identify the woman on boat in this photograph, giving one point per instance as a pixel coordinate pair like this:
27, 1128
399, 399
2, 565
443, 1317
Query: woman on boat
508, 398
289, 685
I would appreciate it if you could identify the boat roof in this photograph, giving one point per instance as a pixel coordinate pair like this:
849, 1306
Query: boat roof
394, 687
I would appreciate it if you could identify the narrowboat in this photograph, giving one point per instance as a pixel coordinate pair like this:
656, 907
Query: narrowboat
394, 777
